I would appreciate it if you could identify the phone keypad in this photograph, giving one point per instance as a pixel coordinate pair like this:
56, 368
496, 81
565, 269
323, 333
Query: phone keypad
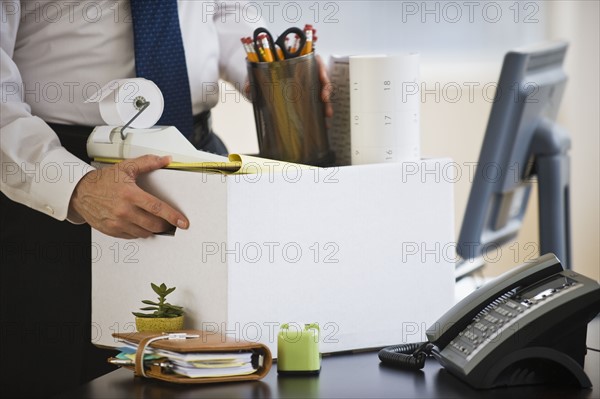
486, 324
496, 316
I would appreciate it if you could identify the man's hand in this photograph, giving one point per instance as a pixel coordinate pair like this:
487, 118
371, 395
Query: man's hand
111, 202
326, 87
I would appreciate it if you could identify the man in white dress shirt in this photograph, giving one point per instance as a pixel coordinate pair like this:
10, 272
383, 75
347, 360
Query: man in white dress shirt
54, 55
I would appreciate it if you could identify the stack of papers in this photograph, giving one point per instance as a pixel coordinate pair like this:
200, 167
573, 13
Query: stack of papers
194, 365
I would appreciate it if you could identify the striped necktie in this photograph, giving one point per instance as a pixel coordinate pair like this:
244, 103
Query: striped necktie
160, 57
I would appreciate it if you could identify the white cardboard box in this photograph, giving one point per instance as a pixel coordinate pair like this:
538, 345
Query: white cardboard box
365, 251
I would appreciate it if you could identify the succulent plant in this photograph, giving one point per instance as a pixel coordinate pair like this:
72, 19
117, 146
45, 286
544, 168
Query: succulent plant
160, 308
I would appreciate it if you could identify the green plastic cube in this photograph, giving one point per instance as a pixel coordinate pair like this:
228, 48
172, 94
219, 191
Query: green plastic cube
298, 349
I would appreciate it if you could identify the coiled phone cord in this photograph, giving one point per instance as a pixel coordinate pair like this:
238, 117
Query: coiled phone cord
406, 356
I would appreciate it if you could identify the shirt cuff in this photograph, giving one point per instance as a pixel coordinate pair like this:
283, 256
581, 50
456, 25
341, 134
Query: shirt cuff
59, 173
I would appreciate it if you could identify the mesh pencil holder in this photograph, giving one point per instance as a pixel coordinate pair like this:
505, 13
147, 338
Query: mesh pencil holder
288, 111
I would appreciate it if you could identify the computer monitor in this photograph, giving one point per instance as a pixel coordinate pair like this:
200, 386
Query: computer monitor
522, 141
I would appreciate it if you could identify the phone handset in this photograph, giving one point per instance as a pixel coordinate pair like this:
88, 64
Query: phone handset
443, 331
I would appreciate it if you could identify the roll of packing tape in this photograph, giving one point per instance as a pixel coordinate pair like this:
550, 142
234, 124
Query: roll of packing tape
121, 99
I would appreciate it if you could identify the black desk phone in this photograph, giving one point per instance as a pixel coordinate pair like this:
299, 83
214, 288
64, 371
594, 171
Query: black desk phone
527, 326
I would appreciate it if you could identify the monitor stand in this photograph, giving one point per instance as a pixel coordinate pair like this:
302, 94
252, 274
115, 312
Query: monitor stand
549, 147
551, 164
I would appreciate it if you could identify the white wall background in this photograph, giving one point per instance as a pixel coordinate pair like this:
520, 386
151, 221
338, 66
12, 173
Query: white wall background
462, 43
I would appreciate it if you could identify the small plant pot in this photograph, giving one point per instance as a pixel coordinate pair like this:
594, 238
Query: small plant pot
159, 324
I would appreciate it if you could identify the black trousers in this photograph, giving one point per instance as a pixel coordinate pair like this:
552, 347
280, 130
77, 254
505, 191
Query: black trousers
45, 294
45, 298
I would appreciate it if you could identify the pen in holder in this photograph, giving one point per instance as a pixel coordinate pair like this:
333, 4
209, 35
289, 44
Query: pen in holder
288, 111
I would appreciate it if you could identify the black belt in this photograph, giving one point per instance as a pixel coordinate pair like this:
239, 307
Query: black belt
73, 138
202, 129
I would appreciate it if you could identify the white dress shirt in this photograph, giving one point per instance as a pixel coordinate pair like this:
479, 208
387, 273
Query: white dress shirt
56, 54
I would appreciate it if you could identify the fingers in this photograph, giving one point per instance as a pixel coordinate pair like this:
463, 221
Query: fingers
327, 87
148, 222
158, 209
246, 91
129, 229
155, 207
141, 224
325, 97
143, 164
132, 231
323, 77
126, 219
110, 201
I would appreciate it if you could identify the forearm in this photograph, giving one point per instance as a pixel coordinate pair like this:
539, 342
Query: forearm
36, 170
232, 65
